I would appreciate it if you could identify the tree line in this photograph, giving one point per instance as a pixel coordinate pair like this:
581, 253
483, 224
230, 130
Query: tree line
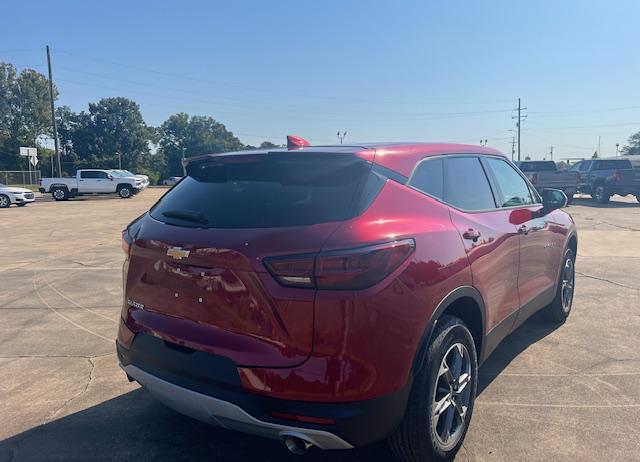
110, 134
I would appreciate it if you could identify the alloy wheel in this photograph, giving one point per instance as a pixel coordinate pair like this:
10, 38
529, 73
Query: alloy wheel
452, 396
58, 194
568, 277
4, 201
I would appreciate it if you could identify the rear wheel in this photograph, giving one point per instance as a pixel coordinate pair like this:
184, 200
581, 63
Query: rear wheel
125, 192
559, 309
600, 194
60, 194
441, 401
4, 201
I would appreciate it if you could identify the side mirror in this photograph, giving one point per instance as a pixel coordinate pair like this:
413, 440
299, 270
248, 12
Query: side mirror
553, 199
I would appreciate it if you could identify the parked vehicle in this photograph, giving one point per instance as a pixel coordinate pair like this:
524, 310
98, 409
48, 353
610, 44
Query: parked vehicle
544, 174
333, 296
602, 178
91, 181
171, 181
127, 173
12, 195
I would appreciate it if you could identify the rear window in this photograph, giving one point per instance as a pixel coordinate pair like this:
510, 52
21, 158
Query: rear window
611, 164
543, 166
272, 190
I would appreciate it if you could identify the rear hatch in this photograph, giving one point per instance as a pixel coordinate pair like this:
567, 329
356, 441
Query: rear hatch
196, 275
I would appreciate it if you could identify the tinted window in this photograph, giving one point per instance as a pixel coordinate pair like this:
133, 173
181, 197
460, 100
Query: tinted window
429, 177
542, 166
101, 175
513, 189
89, 174
263, 191
611, 164
466, 185
584, 166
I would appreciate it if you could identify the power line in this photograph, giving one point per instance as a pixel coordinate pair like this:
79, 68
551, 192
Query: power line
262, 90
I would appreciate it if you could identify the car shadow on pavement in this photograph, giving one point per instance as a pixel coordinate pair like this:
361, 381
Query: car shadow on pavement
134, 426
531, 331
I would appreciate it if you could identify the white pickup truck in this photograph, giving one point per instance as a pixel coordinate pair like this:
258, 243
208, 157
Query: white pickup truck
92, 181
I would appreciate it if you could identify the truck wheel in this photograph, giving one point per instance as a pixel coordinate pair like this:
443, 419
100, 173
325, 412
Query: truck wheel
5, 202
559, 309
125, 192
441, 401
60, 194
600, 194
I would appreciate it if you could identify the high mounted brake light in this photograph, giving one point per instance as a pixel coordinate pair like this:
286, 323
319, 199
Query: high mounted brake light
351, 269
296, 142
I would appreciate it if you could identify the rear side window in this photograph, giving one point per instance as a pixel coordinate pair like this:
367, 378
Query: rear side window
513, 190
611, 164
465, 184
584, 166
270, 190
429, 178
89, 174
542, 166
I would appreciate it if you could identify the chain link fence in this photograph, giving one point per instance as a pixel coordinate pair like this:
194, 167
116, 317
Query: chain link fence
22, 178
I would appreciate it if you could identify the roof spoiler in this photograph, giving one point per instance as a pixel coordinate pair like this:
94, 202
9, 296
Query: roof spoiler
296, 142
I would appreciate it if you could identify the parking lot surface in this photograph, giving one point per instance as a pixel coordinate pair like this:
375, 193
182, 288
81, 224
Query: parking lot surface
547, 393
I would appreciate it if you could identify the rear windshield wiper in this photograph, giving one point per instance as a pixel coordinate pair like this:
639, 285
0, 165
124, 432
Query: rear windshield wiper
187, 215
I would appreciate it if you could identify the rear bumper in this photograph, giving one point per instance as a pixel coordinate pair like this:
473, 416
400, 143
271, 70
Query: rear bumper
225, 414
208, 388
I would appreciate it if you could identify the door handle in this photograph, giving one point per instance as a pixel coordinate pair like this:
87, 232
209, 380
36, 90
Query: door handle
471, 234
523, 230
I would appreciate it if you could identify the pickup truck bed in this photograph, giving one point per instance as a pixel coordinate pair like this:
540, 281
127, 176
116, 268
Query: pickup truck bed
545, 174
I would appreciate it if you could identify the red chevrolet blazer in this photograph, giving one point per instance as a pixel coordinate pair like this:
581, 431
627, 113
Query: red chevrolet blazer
334, 296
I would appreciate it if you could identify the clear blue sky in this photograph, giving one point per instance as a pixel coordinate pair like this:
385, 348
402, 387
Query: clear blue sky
381, 70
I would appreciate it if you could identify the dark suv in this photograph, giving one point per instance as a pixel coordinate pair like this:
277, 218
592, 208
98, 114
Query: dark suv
334, 296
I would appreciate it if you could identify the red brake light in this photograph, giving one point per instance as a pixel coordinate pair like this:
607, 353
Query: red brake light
534, 178
296, 142
126, 241
350, 269
617, 176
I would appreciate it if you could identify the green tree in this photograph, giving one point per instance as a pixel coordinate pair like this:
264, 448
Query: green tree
182, 135
268, 145
633, 146
24, 112
110, 134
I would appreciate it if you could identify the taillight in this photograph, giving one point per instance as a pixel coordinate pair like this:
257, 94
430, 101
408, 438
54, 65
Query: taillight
617, 176
350, 269
127, 240
534, 178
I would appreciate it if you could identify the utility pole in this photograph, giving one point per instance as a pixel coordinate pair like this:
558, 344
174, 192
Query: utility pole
551, 152
599, 153
513, 147
341, 136
53, 113
617, 148
520, 117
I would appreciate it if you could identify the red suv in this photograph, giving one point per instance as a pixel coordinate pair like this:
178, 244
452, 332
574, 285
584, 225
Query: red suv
334, 296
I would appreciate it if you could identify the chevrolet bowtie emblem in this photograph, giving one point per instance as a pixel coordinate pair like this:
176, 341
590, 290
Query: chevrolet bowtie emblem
177, 252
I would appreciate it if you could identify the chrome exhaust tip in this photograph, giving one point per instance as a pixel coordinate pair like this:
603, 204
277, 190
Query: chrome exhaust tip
296, 444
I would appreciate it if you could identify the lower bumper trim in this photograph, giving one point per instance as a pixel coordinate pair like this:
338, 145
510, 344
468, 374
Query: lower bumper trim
225, 414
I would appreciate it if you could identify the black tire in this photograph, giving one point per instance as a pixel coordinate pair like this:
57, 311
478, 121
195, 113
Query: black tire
125, 192
60, 194
5, 202
560, 308
600, 194
417, 439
